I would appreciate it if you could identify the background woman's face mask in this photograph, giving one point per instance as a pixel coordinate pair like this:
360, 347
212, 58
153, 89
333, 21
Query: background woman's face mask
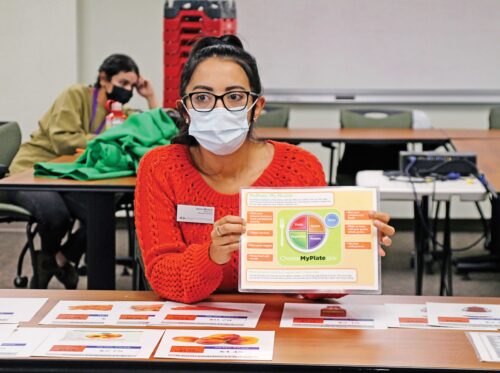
220, 131
119, 94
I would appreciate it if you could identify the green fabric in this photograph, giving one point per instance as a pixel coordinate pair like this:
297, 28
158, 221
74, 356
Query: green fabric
116, 152
357, 119
495, 118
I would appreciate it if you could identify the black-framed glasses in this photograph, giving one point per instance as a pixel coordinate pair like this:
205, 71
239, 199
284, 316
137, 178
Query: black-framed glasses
232, 101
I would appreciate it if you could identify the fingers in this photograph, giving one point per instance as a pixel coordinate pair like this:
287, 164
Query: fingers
226, 235
386, 241
229, 225
377, 215
230, 219
386, 229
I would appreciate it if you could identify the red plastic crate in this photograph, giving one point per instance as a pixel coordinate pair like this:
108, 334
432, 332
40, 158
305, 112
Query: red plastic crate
184, 23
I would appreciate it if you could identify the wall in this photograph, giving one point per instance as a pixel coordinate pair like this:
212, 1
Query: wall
131, 27
37, 57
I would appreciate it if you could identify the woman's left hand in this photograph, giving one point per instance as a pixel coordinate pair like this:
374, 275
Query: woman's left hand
145, 88
385, 231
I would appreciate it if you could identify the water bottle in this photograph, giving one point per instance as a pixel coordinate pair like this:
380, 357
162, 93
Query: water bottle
116, 115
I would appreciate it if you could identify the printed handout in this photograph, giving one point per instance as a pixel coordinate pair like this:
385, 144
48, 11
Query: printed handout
216, 344
334, 316
244, 315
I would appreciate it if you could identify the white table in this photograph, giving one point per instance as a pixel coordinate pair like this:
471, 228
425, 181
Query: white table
400, 189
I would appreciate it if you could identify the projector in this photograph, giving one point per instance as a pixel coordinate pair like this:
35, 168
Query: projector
436, 163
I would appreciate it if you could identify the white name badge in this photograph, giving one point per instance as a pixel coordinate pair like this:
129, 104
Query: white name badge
195, 214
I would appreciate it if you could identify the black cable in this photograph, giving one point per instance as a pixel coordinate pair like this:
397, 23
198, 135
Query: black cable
429, 231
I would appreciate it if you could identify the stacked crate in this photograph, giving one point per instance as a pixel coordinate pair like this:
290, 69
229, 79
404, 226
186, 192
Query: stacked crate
184, 23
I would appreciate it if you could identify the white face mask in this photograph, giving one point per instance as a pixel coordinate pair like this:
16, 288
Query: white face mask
220, 131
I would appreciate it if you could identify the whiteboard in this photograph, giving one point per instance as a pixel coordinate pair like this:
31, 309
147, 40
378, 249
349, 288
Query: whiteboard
375, 45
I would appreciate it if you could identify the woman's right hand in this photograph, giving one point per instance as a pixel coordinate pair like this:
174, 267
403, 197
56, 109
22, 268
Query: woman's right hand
225, 237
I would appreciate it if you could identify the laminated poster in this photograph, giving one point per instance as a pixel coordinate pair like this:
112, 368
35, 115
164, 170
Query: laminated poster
309, 239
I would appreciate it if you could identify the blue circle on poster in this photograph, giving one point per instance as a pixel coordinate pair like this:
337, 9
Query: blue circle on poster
332, 220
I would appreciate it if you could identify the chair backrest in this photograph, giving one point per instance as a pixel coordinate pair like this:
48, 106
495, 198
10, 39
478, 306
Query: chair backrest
375, 118
275, 116
10, 140
495, 118
359, 157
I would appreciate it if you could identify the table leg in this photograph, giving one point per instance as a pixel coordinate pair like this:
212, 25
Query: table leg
101, 241
421, 240
446, 269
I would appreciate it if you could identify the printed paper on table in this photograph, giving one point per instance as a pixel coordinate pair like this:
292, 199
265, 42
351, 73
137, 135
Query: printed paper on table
464, 315
487, 345
80, 313
16, 310
216, 344
309, 240
99, 343
217, 314
21, 342
413, 316
355, 316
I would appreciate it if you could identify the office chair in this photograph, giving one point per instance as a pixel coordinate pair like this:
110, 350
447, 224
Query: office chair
273, 116
125, 202
140, 280
10, 140
357, 157
494, 119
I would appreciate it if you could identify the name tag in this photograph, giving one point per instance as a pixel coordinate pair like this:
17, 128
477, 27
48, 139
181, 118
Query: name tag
195, 214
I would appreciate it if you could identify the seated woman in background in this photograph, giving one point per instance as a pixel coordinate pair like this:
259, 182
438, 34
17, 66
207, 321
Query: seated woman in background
77, 115
213, 156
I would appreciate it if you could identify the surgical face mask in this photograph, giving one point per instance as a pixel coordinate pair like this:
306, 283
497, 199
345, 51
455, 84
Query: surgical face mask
119, 94
220, 131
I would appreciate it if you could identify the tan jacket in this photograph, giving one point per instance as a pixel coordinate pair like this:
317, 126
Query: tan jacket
63, 128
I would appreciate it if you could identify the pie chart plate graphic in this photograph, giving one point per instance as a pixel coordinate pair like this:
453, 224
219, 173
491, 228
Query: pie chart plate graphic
306, 233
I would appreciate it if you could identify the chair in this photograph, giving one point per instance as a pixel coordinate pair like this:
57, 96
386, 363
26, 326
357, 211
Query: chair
357, 157
273, 116
140, 280
494, 118
10, 140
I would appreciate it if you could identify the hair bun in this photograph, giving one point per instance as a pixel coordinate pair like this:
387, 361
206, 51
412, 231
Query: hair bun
232, 40
209, 41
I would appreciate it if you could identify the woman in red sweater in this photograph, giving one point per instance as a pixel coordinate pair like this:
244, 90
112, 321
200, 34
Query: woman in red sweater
213, 156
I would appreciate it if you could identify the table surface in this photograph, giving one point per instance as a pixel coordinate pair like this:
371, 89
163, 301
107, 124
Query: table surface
391, 348
468, 189
27, 181
472, 134
488, 156
351, 134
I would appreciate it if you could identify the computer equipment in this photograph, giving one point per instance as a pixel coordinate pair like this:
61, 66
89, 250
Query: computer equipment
437, 163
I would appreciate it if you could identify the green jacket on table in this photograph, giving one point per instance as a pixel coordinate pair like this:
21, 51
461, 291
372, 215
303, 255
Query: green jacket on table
117, 151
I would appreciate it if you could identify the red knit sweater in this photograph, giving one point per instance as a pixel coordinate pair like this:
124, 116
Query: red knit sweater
175, 254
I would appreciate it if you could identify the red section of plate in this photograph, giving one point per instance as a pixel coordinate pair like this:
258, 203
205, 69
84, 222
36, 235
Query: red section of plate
299, 224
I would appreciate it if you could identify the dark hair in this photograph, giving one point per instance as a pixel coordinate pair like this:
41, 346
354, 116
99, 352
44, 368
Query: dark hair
227, 46
115, 64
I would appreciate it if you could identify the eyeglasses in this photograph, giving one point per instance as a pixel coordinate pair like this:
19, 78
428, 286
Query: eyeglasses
232, 101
